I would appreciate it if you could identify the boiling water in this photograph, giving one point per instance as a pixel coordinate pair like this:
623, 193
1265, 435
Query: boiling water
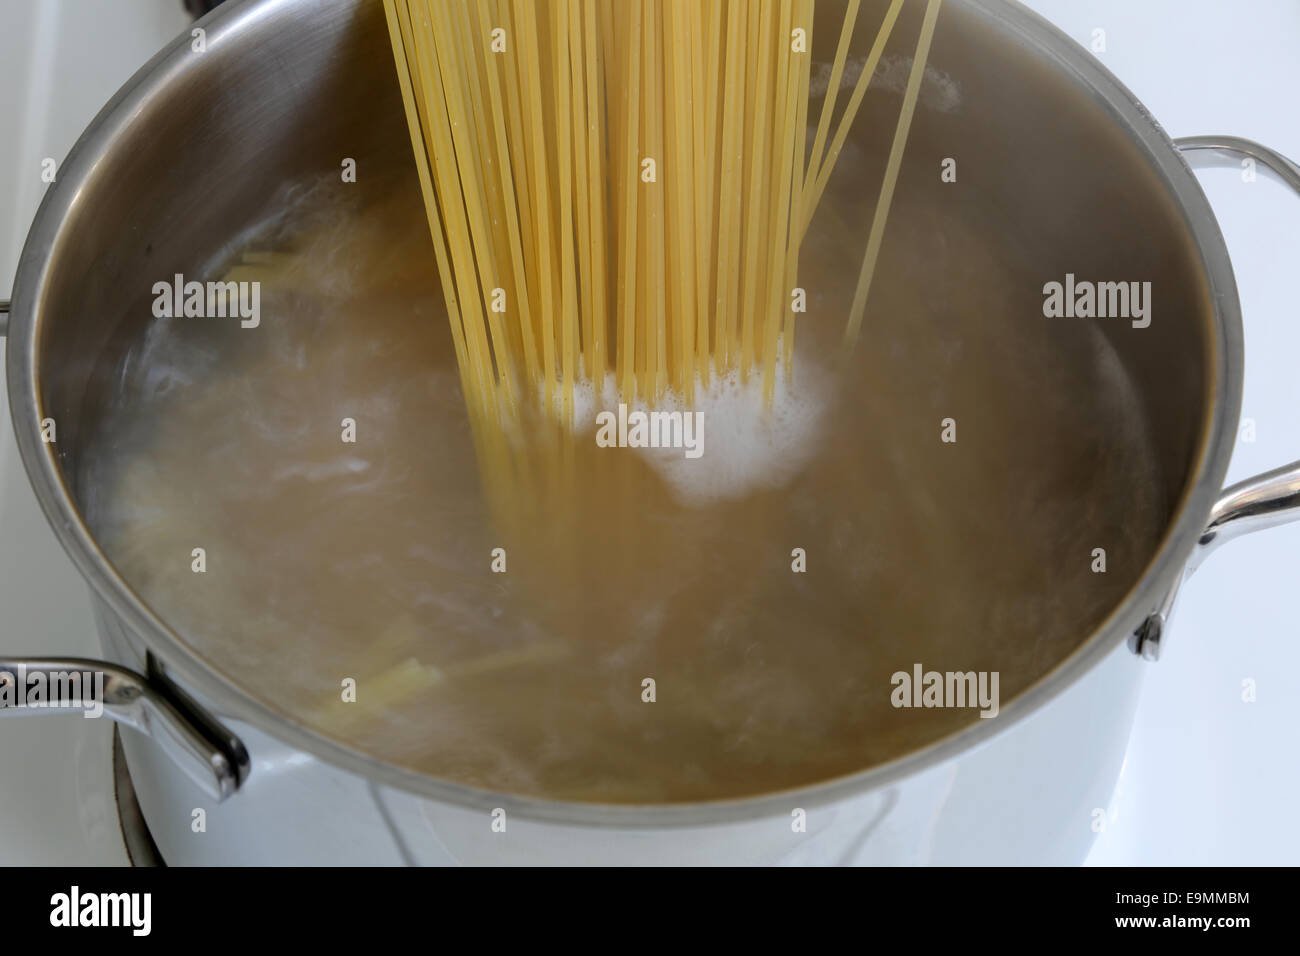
376, 559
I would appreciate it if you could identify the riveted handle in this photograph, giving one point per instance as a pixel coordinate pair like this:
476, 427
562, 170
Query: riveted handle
74, 685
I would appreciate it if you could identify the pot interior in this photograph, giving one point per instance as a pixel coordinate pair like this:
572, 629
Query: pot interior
327, 559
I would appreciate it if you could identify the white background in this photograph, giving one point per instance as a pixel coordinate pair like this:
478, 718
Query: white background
1209, 779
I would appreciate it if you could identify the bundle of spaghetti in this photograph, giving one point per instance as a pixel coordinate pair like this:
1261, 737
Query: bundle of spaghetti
621, 187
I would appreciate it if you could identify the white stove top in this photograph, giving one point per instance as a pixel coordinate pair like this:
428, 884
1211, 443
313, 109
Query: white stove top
1209, 779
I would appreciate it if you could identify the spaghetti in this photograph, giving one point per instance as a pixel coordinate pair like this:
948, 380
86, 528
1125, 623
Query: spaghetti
624, 186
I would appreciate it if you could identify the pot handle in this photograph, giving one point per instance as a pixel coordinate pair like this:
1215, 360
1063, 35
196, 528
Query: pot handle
1266, 500
73, 685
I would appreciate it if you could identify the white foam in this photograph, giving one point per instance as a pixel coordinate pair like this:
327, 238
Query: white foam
745, 446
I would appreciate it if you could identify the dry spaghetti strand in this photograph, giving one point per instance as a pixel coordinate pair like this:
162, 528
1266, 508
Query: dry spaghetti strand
892, 167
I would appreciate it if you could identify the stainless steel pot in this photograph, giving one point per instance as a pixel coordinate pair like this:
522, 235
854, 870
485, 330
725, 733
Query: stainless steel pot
196, 141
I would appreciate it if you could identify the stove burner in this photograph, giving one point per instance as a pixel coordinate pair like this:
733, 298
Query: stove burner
140, 847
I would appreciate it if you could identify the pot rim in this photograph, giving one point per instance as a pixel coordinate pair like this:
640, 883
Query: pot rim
1017, 24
